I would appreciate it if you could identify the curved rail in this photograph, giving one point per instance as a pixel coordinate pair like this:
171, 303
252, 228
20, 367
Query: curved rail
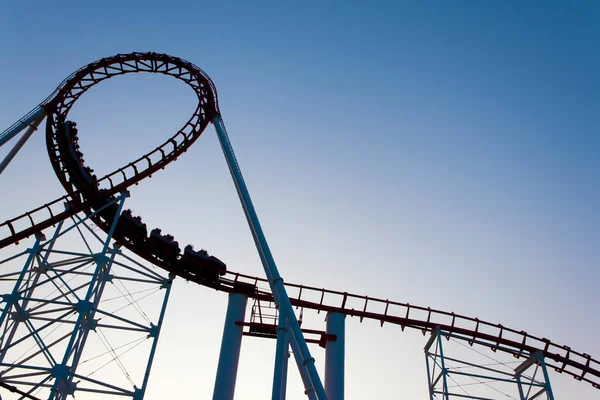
473, 330
98, 194
58, 105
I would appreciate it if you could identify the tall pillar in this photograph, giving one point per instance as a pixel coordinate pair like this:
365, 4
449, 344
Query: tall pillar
334, 356
230, 348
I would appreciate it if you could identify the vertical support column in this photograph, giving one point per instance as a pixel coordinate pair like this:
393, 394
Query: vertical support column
335, 356
230, 348
281, 359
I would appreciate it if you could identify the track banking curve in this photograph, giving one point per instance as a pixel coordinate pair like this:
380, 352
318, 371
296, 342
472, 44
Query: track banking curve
87, 193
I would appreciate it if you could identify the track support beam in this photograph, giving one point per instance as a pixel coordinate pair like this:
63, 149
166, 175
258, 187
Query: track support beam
309, 391
282, 355
335, 356
230, 348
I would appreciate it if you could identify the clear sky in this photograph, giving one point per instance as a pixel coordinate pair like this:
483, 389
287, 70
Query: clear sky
440, 153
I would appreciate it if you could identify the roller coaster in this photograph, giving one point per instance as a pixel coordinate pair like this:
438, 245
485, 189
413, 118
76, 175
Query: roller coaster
99, 202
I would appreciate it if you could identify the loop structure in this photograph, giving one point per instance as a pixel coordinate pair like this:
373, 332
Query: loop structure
60, 102
58, 107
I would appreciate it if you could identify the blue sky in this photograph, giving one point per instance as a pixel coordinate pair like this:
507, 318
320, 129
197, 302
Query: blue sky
439, 153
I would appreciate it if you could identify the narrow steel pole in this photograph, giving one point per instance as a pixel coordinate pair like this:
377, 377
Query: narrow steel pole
32, 125
285, 371
443, 365
154, 333
547, 384
335, 356
429, 378
308, 389
37, 112
230, 348
520, 387
281, 359
275, 280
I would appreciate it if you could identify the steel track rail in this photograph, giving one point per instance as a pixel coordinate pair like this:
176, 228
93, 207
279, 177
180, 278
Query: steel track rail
497, 337
58, 105
473, 330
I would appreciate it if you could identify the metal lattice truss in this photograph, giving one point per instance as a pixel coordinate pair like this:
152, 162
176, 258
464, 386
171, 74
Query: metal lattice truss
78, 320
457, 371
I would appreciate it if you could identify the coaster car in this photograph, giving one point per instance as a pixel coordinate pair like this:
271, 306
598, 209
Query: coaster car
202, 265
131, 228
163, 247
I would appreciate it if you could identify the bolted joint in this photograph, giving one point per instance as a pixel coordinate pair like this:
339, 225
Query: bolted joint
101, 259
153, 332
325, 338
277, 280
137, 393
84, 307
10, 298
42, 269
89, 323
281, 329
37, 247
40, 236
60, 371
166, 283
308, 360
20, 315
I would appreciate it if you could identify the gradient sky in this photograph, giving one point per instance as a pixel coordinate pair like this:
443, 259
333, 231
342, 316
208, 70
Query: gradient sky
440, 153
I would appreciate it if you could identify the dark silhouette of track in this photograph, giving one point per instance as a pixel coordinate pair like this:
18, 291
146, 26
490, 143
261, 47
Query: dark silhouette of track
87, 193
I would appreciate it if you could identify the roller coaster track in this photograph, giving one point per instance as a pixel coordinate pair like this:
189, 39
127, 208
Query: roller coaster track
81, 198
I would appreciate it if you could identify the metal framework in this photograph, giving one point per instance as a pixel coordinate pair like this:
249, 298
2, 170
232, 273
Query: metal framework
87, 192
472, 375
79, 309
